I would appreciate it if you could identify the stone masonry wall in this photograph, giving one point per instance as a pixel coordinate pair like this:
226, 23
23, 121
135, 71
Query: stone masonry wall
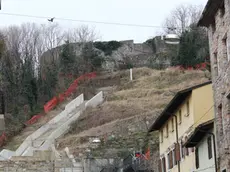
219, 41
26, 166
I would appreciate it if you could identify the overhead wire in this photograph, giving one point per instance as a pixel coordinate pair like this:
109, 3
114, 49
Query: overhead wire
83, 21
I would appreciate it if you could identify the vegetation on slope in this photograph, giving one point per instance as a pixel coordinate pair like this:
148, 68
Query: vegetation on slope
130, 107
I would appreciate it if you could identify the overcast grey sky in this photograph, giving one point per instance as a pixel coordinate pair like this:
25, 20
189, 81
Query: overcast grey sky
143, 12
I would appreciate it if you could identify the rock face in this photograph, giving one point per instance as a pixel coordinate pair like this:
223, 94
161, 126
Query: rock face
137, 54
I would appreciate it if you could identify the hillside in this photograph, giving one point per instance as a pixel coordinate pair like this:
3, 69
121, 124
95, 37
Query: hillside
122, 120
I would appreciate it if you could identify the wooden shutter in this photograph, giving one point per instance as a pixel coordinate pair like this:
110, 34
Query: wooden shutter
159, 165
171, 159
177, 148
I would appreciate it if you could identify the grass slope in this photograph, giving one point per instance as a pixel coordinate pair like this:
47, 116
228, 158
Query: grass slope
129, 108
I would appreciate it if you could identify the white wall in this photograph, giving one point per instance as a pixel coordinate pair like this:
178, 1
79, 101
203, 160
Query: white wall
6, 154
206, 164
69, 107
95, 101
26, 148
60, 131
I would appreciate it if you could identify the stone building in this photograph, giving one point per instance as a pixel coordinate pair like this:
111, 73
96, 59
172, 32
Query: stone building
216, 17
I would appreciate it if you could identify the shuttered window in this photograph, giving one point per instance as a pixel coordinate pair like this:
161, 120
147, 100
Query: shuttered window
171, 159
177, 148
167, 131
186, 149
197, 158
182, 150
169, 163
161, 136
172, 124
163, 165
180, 117
187, 109
209, 142
174, 157
220, 114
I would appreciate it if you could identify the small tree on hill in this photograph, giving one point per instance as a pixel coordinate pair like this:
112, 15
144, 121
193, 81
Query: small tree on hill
193, 47
91, 57
68, 59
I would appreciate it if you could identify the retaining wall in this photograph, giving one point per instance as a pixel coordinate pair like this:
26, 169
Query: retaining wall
69, 107
26, 148
95, 101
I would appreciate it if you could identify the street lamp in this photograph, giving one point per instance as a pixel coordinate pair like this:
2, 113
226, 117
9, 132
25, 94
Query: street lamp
172, 37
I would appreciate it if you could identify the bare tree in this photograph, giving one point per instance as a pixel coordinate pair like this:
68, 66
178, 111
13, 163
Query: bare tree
182, 17
82, 34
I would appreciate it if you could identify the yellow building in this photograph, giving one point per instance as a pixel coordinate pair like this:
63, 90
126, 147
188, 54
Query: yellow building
189, 108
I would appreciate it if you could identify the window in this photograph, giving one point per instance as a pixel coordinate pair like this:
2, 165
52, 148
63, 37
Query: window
220, 111
209, 140
177, 151
174, 157
167, 131
163, 165
186, 149
225, 50
216, 64
197, 158
228, 48
161, 136
228, 102
170, 160
213, 27
172, 124
182, 150
187, 109
222, 10
180, 117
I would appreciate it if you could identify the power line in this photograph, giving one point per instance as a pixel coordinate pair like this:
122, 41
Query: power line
83, 21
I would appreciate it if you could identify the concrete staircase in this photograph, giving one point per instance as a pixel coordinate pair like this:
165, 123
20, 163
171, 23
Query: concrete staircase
44, 138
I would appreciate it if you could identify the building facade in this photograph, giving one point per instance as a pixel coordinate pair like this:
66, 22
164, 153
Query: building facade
216, 17
186, 111
203, 139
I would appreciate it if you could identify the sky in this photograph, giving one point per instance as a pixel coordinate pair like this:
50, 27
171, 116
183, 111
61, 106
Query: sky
139, 12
